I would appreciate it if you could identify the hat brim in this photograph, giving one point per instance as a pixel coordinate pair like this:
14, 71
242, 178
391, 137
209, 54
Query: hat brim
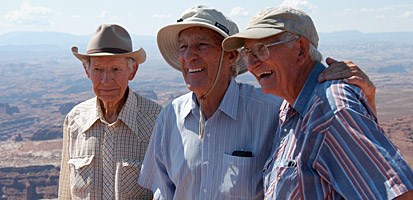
139, 56
167, 39
237, 41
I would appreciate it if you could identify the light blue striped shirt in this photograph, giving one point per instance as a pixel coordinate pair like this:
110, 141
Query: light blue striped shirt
180, 165
329, 146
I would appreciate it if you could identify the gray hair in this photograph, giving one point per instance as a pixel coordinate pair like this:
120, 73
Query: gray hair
131, 63
315, 55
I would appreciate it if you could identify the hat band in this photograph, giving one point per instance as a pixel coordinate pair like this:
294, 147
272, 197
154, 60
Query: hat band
107, 50
220, 26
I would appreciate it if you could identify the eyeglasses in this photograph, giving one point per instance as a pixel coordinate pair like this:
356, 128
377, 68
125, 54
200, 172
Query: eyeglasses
259, 51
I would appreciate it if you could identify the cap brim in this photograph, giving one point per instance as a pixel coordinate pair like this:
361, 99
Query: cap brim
236, 41
139, 56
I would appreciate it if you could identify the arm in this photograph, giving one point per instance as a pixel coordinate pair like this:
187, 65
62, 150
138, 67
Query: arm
364, 154
64, 178
154, 174
352, 74
406, 196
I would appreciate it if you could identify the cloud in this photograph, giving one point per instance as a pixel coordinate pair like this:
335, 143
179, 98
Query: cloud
30, 15
107, 16
377, 10
103, 14
345, 12
406, 15
161, 16
301, 4
381, 17
239, 11
75, 17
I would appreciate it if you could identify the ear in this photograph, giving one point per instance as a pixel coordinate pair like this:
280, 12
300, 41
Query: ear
233, 55
304, 50
135, 69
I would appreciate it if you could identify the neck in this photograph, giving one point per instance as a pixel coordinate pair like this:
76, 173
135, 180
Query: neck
111, 110
298, 83
211, 102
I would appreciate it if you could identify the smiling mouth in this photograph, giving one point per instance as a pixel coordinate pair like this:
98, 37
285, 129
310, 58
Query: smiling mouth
264, 74
195, 70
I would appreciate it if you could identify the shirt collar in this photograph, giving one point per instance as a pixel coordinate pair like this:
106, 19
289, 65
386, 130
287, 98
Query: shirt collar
301, 104
130, 111
228, 105
127, 115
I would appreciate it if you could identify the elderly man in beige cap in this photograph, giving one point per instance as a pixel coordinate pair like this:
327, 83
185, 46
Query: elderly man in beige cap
211, 143
105, 138
328, 145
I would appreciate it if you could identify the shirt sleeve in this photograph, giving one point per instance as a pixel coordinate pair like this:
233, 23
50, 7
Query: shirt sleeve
357, 158
154, 172
64, 178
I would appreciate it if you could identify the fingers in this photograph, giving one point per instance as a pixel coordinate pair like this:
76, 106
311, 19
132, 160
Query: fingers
364, 83
338, 70
330, 60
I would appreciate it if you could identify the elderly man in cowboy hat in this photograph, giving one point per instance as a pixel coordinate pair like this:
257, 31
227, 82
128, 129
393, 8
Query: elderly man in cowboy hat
105, 138
211, 143
329, 145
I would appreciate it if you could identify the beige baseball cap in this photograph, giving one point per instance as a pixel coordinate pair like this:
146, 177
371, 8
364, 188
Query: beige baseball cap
274, 21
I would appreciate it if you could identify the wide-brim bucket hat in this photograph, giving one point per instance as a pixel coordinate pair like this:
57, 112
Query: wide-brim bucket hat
198, 16
111, 40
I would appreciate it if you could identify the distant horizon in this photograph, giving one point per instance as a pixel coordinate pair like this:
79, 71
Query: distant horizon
80, 17
131, 33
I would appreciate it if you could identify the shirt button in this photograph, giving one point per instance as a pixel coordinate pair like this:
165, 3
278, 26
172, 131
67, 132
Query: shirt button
208, 135
207, 162
205, 190
285, 130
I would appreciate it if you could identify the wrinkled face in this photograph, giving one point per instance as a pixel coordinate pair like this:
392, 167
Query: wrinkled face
199, 56
274, 73
110, 77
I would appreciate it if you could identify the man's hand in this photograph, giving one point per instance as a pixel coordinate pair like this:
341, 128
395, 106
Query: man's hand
351, 74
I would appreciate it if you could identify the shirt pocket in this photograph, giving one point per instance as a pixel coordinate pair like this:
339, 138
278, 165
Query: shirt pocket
81, 175
241, 177
280, 178
128, 179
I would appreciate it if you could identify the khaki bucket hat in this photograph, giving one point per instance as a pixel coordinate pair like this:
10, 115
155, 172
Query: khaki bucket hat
111, 40
167, 37
273, 21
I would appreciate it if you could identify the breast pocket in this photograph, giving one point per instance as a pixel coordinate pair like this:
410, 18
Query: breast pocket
129, 174
280, 177
81, 175
241, 177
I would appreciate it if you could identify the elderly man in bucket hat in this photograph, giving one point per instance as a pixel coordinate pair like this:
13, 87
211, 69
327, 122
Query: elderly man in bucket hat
329, 145
212, 142
105, 138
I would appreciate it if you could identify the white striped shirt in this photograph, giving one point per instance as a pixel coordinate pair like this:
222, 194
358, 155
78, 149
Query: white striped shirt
180, 165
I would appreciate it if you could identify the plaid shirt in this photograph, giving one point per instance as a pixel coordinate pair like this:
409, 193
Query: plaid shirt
86, 135
329, 146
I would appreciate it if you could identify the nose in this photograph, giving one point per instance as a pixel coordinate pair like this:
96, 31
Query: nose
252, 62
107, 76
251, 58
191, 53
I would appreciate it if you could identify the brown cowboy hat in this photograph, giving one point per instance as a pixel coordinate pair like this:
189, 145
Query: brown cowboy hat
111, 40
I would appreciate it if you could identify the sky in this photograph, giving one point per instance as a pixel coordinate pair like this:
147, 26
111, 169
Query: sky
82, 17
